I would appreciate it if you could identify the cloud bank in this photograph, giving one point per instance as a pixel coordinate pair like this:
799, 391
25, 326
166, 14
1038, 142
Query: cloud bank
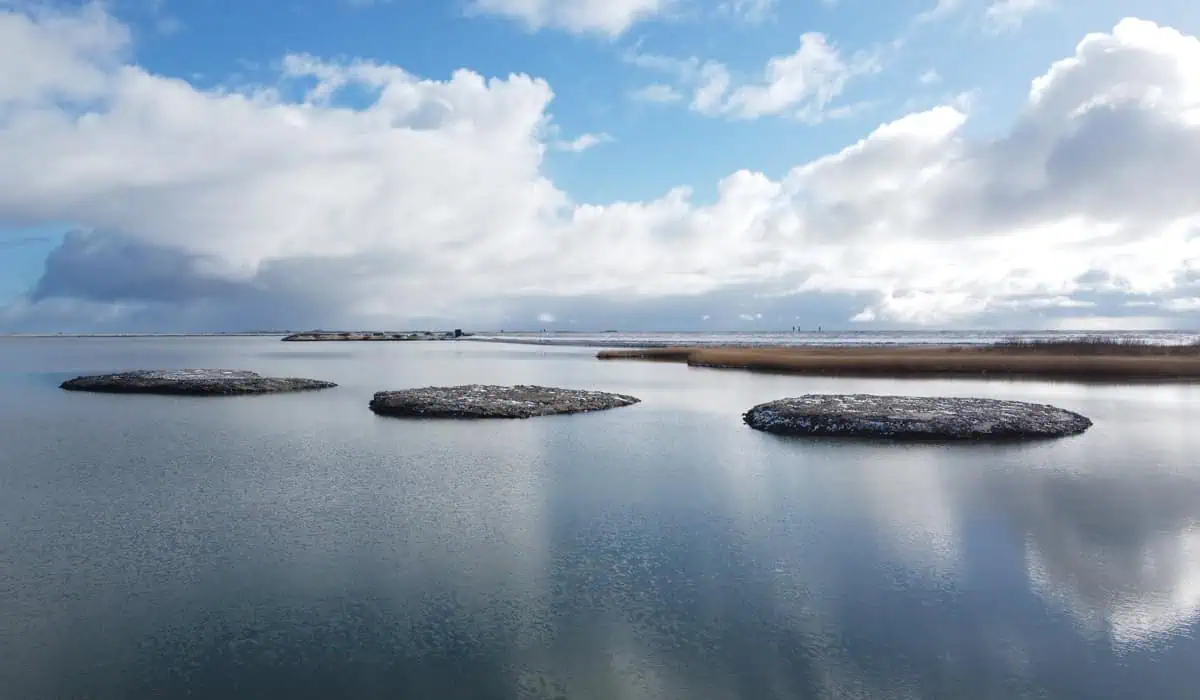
300, 203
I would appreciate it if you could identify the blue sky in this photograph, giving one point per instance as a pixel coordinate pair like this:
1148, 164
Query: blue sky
590, 157
213, 43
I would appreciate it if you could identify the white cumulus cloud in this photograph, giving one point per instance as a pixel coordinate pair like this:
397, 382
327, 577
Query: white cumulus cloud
802, 84
245, 207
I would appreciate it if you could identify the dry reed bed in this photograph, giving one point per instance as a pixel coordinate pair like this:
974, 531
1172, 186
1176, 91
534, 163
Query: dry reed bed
1093, 345
1086, 360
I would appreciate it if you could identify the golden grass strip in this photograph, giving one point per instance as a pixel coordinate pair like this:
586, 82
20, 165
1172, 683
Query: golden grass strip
984, 361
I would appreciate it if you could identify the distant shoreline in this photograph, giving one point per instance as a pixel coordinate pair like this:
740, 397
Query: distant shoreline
247, 334
665, 340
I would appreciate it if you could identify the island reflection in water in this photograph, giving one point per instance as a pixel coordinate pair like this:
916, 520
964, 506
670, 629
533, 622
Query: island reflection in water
298, 546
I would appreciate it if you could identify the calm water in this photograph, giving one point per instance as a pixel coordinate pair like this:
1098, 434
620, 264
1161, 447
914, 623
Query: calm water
300, 547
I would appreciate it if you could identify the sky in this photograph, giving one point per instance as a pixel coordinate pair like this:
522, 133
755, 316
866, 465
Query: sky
219, 165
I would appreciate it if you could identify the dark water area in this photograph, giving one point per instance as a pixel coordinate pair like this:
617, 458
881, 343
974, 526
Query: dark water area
298, 546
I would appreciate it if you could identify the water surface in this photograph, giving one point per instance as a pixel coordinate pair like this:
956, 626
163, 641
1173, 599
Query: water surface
299, 546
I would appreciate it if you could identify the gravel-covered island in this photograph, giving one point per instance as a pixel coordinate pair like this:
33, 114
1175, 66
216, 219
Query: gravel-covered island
369, 336
913, 417
192, 382
489, 401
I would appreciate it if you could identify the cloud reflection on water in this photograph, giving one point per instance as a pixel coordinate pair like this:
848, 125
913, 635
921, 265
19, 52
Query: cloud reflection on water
662, 551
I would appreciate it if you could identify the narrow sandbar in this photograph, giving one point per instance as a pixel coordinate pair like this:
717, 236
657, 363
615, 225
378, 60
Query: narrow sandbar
1077, 360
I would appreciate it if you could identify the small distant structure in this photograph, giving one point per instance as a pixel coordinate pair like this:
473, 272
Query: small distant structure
458, 332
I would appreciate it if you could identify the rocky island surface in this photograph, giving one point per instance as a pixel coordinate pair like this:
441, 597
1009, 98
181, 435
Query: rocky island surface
489, 401
328, 336
192, 382
913, 417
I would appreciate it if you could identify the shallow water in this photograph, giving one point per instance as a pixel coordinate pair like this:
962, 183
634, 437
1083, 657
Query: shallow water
299, 546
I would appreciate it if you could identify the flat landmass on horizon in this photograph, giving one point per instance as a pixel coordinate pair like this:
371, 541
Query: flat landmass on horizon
1087, 359
328, 336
